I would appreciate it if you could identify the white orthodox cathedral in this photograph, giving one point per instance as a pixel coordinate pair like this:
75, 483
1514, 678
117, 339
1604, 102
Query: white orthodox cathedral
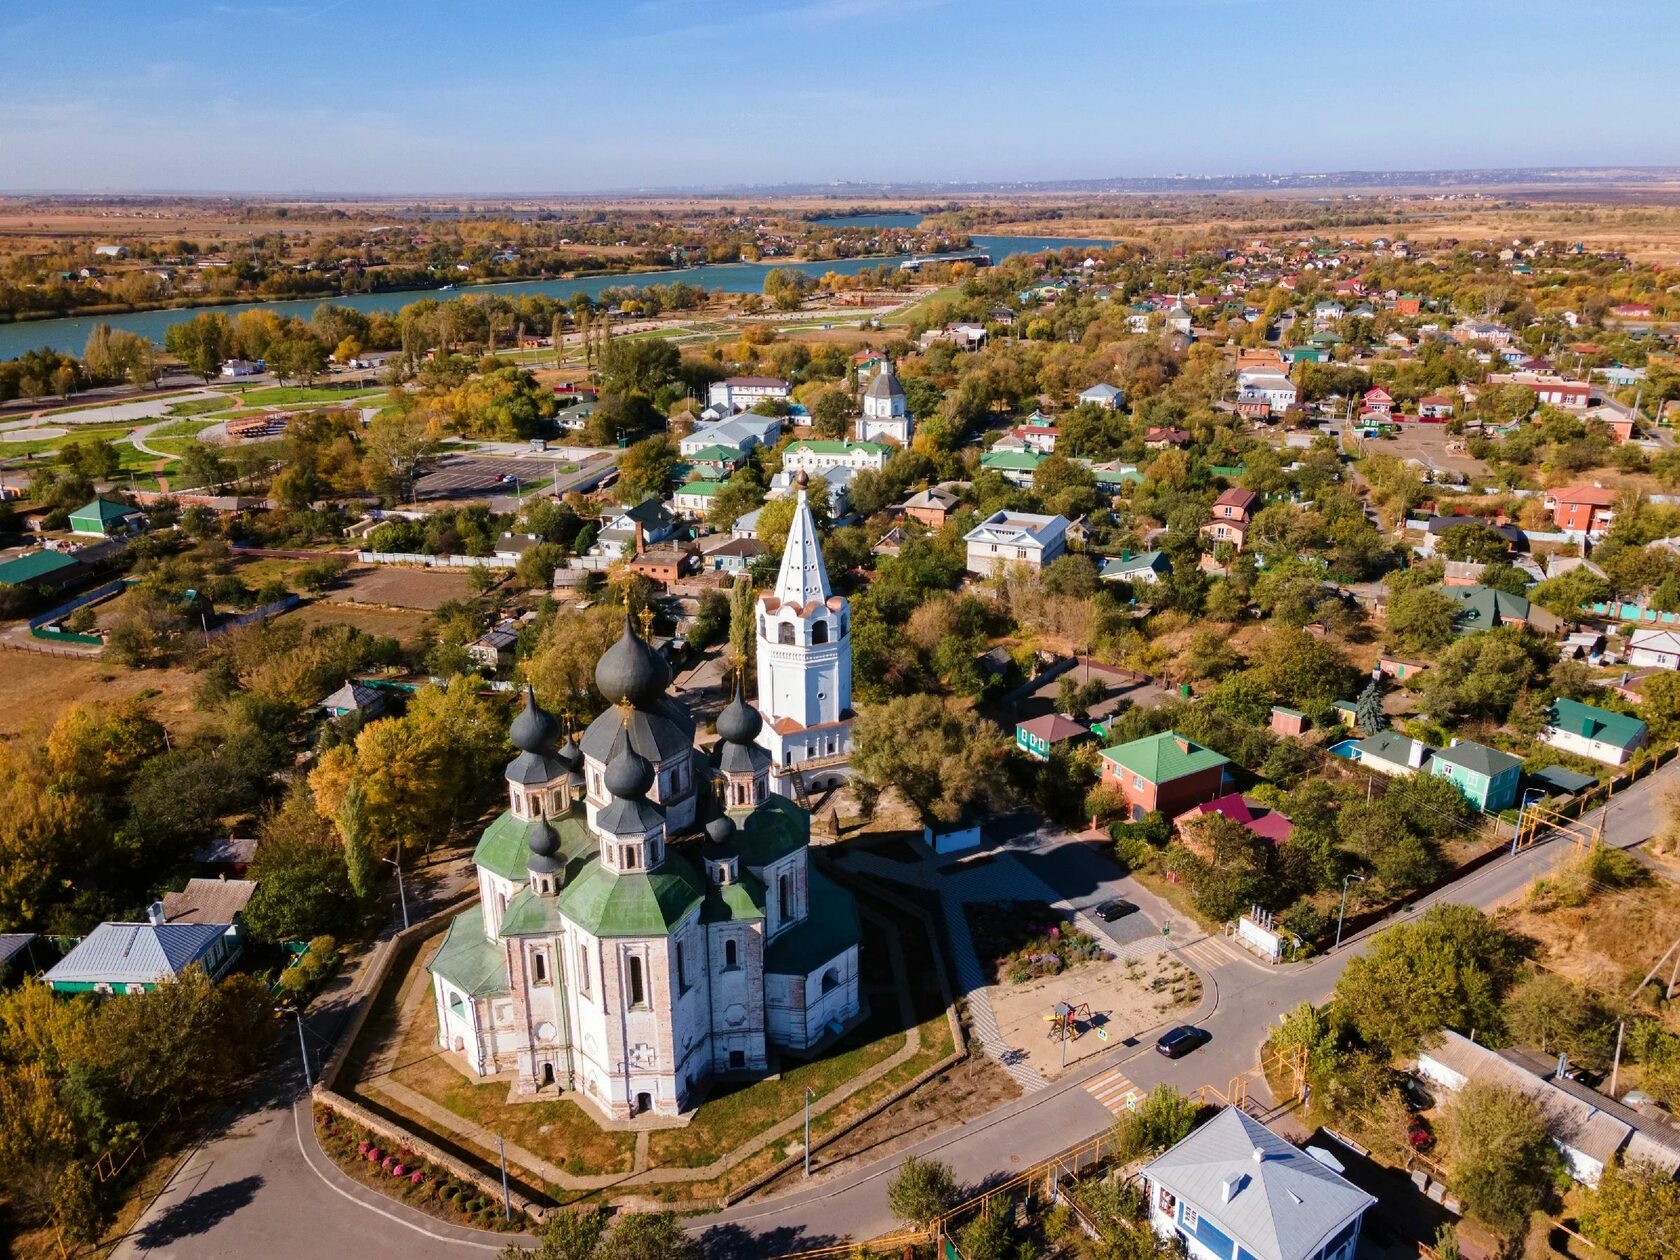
648, 919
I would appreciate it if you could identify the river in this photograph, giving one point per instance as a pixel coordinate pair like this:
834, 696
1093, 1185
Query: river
69, 335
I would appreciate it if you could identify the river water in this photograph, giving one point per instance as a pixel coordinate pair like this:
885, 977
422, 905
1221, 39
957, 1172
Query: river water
69, 336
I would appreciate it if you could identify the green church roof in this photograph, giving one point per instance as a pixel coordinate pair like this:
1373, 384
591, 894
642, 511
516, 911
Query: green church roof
530, 914
1164, 757
828, 931
637, 903
468, 961
739, 902
773, 830
503, 849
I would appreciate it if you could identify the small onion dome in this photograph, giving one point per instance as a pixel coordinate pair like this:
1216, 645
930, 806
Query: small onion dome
570, 755
541, 838
801, 479
628, 775
721, 830
535, 729
739, 723
631, 671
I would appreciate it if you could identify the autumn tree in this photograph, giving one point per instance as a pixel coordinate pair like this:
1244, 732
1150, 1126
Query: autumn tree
561, 667
1634, 1212
201, 343
1500, 1157
940, 754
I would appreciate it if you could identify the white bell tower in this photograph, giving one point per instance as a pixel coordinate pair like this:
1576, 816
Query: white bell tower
804, 660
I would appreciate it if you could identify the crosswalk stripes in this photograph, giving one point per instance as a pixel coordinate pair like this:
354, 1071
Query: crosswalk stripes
1208, 953
1115, 1091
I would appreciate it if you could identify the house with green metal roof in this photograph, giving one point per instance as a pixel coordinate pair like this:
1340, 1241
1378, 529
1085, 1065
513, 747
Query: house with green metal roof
52, 570
107, 518
1017, 467
694, 498
1588, 731
1167, 773
1487, 777
1488, 608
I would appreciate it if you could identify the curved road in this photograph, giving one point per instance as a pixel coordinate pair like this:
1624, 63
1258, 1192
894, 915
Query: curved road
261, 1186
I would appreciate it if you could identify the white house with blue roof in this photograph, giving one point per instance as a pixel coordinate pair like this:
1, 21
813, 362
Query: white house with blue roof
137, 957
1234, 1190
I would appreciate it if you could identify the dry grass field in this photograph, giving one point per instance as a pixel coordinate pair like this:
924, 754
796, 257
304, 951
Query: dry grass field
39, 688
423, 589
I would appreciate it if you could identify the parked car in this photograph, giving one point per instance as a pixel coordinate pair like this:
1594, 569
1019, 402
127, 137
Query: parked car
1418, 1134
1178, 1042
1109, 911
1417, 1097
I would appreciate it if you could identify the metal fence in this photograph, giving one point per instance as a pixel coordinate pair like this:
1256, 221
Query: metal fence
436, 562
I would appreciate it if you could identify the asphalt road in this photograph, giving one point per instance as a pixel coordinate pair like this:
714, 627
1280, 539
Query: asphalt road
260, 1187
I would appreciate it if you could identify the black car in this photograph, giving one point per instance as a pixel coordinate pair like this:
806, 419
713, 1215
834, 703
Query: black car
1112, 910
1180, 1041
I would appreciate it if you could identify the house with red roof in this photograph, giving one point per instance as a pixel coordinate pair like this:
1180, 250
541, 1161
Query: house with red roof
1268, 824
1582, 509
1233, 511
1038, 736
1377, 400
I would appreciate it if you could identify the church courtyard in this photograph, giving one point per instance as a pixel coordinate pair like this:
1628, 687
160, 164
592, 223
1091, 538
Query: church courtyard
742, 1131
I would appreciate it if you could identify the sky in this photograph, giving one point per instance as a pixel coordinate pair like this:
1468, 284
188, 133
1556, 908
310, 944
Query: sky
552, 96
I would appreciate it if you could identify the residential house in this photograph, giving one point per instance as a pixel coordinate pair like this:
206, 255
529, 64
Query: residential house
742, 393
816, 457
233, 369
1435, 407
495, 649
890, 543
742, 432
219, 902
1552, 390
1233, 512
1038, 736
1654, 649
511, 546
107, 518
1377, 400
1167, 773
1267, 824
1016, 467
664, 565
17, 955
731, 554
930, 506
1108, 397
1006, 538
1584, 510
865, 363
1272, 388
693, 499
137, 957
1487, 777
1487, 608
1234, 1190
1157, 437
354, 697
51, 570
717, 460
1144, 569
1587, 731
645, 524
1588, 1128
1391, 753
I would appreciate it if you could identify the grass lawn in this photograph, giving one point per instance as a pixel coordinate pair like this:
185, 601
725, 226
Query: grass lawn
131, 458
278, 395
174, 445
949, 292
80, 432
195, 406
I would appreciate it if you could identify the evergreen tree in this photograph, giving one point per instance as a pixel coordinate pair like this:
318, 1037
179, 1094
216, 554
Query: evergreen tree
741, 626
358, 845
1369, 712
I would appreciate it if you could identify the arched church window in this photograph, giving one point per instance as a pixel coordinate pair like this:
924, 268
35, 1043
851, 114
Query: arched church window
830, 980
731, 956
819, 632
638, 990
784, 632
761, 633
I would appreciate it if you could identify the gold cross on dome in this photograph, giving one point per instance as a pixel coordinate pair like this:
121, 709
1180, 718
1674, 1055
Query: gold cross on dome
647, 621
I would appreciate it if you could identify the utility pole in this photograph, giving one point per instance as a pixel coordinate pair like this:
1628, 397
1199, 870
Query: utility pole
1616, 1063
507, 1204
1341, 916
303, 1049
402, 897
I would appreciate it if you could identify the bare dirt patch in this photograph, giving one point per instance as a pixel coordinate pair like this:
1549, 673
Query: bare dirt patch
424, 589
39, 688
398, 623
1613, 936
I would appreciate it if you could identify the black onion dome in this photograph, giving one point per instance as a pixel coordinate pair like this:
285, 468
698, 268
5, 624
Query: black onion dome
632, 671
542, 839
535, 729
570, 755
628, 775
721, 830
739, 723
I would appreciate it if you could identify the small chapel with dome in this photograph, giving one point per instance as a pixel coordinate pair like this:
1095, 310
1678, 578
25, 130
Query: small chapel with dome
648, 917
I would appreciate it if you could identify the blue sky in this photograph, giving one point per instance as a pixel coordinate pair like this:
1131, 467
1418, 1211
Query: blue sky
425, 96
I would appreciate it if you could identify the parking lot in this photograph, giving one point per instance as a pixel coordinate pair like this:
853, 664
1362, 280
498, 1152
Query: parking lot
480, 477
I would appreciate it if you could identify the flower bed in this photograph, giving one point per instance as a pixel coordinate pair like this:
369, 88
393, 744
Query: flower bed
1019, 941
403, 1175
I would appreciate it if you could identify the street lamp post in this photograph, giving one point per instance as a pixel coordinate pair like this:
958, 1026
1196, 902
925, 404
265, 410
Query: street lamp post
402, 897
808, 1097
303, 1049
1341, 916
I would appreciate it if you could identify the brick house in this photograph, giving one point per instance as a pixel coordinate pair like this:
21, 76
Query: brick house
1582, 509
1232, 513
1166, 772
